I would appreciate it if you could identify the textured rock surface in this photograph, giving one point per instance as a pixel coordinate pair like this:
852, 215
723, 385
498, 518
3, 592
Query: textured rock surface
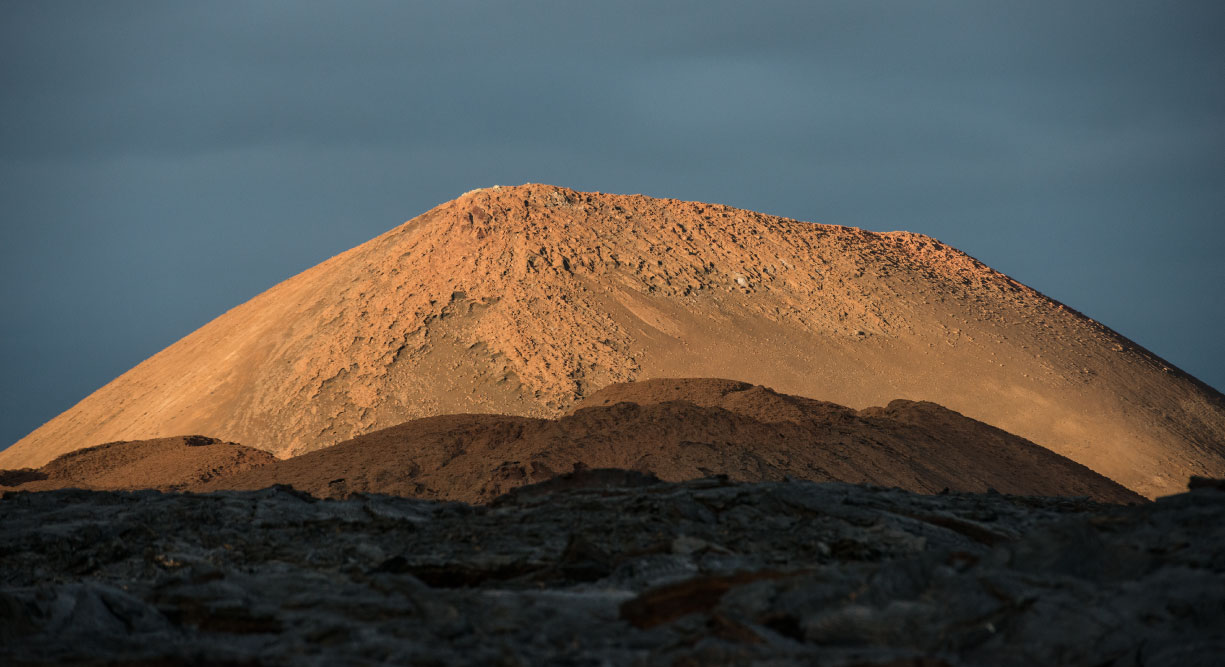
704, 572
165, 464
524, 300
681, 429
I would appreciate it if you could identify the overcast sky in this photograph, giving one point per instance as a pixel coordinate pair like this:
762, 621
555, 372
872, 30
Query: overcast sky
161, 162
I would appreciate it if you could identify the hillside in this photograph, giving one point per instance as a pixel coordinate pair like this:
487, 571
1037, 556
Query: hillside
165, 464
680, 430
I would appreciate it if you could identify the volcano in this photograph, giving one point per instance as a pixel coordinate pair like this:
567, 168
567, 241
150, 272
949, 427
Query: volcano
525, 300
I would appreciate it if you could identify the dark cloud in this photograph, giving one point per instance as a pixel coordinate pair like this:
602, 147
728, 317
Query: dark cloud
163, 161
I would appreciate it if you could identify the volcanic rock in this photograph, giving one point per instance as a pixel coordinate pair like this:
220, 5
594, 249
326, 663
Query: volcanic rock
704, 572
524, 300
167, 464
681, 429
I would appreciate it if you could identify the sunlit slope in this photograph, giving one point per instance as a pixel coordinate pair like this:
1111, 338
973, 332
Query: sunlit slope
522, 300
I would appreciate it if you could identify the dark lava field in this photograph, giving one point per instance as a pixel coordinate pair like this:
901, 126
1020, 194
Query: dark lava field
612, 568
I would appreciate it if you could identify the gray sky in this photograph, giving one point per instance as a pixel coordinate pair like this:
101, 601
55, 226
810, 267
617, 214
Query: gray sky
161, 162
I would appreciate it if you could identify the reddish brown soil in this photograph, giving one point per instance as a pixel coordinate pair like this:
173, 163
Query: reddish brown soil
684, 429
524, 300
166, 464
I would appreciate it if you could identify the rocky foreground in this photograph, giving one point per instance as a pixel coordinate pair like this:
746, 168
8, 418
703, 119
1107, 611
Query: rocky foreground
612, 568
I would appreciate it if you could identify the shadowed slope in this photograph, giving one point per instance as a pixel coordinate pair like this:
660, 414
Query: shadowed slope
684, 429
523, 300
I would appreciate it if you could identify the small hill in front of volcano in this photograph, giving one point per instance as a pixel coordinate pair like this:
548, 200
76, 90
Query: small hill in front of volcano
164, 464
681, 429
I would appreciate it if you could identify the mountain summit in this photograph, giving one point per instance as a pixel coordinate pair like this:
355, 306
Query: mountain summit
525, 300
